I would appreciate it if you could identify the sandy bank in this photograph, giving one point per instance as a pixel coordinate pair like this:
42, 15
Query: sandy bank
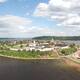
72, 63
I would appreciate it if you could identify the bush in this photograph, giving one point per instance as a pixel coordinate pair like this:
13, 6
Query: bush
68, 51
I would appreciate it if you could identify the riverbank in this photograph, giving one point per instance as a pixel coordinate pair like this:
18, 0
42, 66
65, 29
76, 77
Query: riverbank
67, 60
23, 58
72, 63
12, 69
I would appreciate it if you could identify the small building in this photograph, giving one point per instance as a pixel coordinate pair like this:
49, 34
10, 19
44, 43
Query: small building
32, 44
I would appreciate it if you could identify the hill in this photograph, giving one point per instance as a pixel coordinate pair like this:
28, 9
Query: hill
57, 37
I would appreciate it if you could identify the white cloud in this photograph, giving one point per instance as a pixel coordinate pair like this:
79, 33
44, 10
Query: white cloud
65, 12
41, 10
14, 20
38, 31
2, 1
13, 25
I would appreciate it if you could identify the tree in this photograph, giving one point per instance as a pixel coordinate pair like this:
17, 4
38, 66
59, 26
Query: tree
21, 46
19, 50
72, 45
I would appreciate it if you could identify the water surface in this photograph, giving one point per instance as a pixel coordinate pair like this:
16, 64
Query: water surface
11, 69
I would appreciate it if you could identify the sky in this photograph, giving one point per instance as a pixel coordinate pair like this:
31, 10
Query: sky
31, 18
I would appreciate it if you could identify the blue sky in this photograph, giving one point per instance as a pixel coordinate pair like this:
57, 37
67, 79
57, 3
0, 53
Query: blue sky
30, 18
19, 7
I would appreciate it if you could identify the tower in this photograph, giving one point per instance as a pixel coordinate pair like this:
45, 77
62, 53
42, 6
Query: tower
52, 40
34, 43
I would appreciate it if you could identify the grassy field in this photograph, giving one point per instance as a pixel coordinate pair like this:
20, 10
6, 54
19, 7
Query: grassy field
28, 54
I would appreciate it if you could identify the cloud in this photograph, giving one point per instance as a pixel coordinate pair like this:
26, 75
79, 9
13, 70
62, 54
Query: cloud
13, 25
44, 31
16, 26
65, 12
14, 20
2, 1
41, 10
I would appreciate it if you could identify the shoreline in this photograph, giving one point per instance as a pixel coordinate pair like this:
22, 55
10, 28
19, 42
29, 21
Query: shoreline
72, 63
23, 58
67, 60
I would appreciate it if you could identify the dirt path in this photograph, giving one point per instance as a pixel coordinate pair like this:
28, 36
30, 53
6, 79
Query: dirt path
73, 64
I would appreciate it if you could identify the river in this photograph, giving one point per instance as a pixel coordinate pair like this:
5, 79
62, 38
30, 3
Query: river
12, 69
